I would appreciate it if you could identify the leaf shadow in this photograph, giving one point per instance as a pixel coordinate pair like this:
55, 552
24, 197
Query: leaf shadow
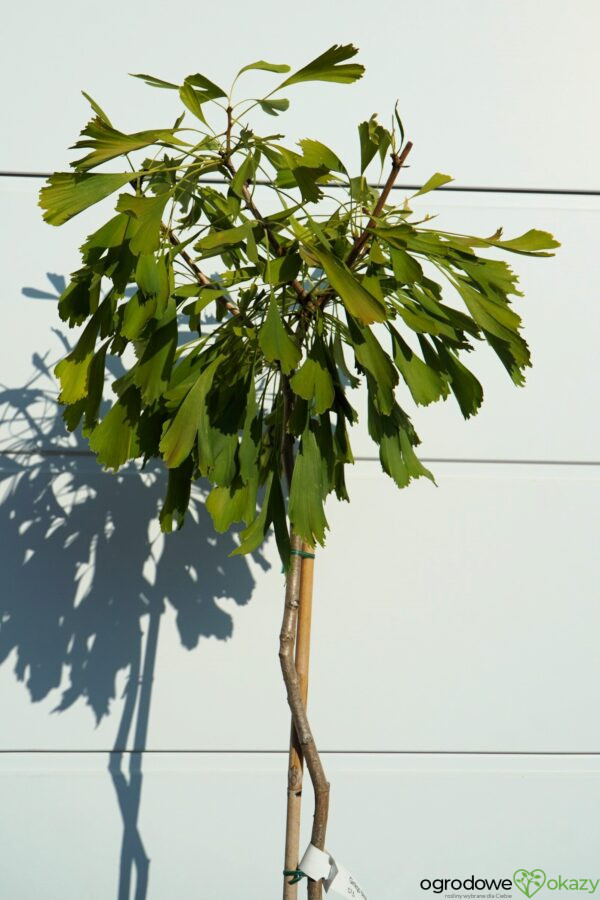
88, 579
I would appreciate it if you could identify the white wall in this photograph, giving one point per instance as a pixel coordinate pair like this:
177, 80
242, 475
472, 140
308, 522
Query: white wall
456, 697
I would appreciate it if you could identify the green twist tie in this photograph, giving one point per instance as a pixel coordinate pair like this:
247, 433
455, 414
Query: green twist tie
297, 874
303, 554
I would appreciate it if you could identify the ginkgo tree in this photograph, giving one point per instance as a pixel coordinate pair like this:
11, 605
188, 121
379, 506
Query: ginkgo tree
248, 287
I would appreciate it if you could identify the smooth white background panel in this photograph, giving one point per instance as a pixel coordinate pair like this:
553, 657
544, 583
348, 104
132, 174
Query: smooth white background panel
211, 825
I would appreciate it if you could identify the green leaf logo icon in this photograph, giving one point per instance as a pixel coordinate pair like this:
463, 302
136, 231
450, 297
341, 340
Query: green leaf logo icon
529, 882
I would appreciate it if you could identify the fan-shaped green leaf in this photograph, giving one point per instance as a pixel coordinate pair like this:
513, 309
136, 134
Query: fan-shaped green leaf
178, 496
276, 343
65, 194
329, 67
152, 277
97, 109
275, 106
530, 243
316, 154
153, 371
463, 384
228, 505
105, 142
375, 361
136, 315
114, 440
225, 238
147, 213
156, 82
307, 516
282, 269
313, 379
193, 100
253, 536
111, 234
425, 384
433, 183
406, 268
264, 66
358, 301
209, 89
73, 370
180, 434
373, 138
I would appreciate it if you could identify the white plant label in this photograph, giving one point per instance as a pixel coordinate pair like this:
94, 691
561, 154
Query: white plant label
319, 864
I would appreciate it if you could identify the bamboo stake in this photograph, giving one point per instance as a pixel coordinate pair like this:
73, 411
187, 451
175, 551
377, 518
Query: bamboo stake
296, 759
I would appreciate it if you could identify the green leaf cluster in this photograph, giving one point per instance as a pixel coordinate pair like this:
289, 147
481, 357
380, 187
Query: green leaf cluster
242, 333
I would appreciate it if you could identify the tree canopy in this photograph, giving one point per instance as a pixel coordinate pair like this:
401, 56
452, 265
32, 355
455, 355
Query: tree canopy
249, 286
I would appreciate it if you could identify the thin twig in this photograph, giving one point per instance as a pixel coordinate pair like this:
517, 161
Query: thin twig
273, 239
228, 132
398, 160
199, 274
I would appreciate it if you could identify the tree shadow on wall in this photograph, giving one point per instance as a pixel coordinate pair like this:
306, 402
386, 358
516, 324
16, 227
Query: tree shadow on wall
88, 577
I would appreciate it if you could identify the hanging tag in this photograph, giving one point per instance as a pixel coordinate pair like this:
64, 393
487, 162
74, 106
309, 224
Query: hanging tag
342, 882
315, 863
319, 864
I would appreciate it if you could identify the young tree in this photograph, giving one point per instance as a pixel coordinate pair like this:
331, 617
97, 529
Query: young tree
288, 305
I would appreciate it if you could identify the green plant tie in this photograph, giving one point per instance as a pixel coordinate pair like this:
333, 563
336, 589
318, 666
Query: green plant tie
303, 554
297, 874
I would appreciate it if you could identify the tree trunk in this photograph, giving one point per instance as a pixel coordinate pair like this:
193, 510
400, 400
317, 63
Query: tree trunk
296, 760
300, 722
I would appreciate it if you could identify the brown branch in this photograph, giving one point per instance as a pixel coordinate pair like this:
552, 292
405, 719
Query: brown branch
398, 160
228, 132
197, 271
273, 239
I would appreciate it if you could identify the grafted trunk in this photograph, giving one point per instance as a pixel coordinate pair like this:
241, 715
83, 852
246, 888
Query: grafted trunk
296, 760
306, 742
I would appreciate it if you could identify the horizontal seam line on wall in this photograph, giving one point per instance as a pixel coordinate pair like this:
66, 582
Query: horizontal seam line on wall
476, 189
51, 452
323, 752
509, 462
